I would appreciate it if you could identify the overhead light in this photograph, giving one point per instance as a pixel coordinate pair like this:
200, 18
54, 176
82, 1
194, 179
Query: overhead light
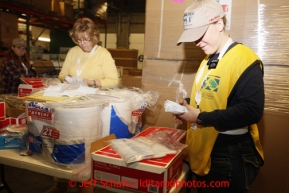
44, 39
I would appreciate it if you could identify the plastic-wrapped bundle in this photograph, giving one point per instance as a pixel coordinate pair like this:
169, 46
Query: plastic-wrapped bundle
122, 113
63, 132
77, 126
116, 118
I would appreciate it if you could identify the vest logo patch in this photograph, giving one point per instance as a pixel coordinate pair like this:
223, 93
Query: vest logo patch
211, 83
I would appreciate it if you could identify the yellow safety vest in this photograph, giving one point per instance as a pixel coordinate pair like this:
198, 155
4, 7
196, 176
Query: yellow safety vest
201, 141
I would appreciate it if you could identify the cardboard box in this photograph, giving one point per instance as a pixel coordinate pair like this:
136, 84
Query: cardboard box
2, 111
127, 71
24, 90
110, 170
30, 85
126, 62
135, 72
123, 53
132, 81
14, 112
172, 79
35, 82
159, 18
13, 121
10, 115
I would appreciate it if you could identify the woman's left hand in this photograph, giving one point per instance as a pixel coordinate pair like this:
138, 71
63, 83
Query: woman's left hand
191, 115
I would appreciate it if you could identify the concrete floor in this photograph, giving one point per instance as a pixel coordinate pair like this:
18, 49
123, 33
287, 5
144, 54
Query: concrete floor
24, 181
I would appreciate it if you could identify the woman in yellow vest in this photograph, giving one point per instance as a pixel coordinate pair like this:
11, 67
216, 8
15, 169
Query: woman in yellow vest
227, 100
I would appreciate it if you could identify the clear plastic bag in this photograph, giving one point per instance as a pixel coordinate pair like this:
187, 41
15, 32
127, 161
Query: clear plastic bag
155, 145
15, 137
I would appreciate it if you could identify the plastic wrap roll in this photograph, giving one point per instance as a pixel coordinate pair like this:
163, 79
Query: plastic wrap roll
116, 118
77, 124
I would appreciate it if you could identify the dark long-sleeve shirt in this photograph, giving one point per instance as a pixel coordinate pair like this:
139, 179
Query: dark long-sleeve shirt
11, 73
245, 104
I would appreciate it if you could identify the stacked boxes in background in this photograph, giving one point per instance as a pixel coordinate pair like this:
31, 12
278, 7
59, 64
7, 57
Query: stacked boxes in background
127, 59
124, 57
167, 68
36, 52
47, 63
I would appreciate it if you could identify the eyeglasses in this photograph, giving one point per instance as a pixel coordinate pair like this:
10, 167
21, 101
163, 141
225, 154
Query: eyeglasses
83, 41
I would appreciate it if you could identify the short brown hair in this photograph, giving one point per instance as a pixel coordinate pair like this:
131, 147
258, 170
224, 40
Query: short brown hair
85, 25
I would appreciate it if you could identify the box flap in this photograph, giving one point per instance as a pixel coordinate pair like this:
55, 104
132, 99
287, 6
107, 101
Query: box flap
96, 145
35, 82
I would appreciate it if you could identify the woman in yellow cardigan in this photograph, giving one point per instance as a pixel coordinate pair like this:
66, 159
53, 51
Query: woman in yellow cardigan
87, 60
92, 64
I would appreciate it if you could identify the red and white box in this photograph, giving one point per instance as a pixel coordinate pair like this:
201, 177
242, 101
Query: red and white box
157, 175
13, 121
30, 84
5, 121
2, 111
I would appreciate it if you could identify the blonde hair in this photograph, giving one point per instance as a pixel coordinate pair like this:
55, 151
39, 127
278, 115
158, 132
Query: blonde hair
85, 25
225, 21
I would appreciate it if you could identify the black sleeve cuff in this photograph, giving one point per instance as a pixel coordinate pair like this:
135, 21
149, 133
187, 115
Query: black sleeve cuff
188, 100
199, 120
206, 118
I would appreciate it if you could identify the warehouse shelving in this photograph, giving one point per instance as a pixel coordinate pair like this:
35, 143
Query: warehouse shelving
39, 17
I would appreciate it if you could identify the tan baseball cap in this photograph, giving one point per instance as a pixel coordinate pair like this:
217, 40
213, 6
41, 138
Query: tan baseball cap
197, 18
18, 42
